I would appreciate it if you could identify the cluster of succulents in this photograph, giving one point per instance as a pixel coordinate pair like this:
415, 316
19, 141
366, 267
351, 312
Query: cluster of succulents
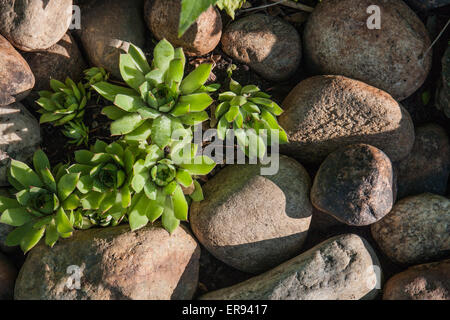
151, 171
248, 111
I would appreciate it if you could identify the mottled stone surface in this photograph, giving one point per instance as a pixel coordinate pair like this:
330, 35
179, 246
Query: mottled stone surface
270, 46
115, 264
417, 229
34, 25
61, 60
16, 78
325, 113
443, 92
20, 137
338, 41
341, 268
355, 185
427, 4
423, 282
8, 275
163, 16
107, 29
254, 222
427, 167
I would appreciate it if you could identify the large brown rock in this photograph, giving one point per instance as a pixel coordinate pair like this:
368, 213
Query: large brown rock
114, 263
417, 230
443, 92
8, 275
61, 60
269, 45
34, 25
355, 185
325, 113
423, 282
107, 29
427, 167
16, 78
341, 268
20, 136
163, 16
253, 222
337, 40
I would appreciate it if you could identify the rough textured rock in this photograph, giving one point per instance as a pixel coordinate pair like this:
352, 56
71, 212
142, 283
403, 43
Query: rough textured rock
337, 40
61, 60
423, 282
427, 167
443, 92
325, 113
341, 268
427, 4
269, 45
115, 263
163, 16
253, 222
417, 229
34, 25
108, 28
355, 185
8, 275
16, 78
20, 136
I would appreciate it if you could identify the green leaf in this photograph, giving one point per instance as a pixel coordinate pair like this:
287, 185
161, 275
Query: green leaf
230, 6
232, 113
63, 224
67, 184
15, 217
129, 103
180, 206
190, 11
196, 79
194, 118
235, 86
175, 72
40, 161
92, 200
126, 124
200, 165
141, 133
51, 235
139, 58
137, 216
184, 178
57, 85
109, 91
222, 128
24, 175
161, 131
71, 203
154, 211
126, 196
130, 73
162, 55
46, 104
30, 237
221, 109
150, 190
197, 101
197, 195
8, 203
113, 112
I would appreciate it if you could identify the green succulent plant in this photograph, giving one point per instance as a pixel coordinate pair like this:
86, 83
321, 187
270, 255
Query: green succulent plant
158, 99
43, 203
159, 181
95, 75
247, 111
77, 132
104, 184
67, 102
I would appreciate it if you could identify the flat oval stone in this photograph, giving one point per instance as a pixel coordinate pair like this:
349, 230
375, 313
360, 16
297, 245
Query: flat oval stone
325, 113
253, 222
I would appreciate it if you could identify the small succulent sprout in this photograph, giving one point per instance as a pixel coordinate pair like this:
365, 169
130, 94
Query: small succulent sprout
77, 132
67, 102
247, 110
43, 203
159, 181
105, 175
158, 98
95, 75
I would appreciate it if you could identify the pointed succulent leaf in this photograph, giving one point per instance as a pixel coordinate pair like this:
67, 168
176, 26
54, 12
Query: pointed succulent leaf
184, 178
109, 91
196, 79
50, 117
194, 118
161, 131
31, 237
130, 72
67, 184
57, 85
180, 206
197, 101
129, 103
126, 124
139, 58
200, 165
51, 234
197, 195
24, 175
169, 221
162, 55
63, 224
15, 217
138, 214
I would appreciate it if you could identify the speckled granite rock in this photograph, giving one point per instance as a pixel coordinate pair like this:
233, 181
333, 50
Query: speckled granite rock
417, 229
341, 268
8, 275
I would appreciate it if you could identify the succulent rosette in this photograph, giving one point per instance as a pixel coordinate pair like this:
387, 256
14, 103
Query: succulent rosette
157, 96
43, 204
247, 111
160, 181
